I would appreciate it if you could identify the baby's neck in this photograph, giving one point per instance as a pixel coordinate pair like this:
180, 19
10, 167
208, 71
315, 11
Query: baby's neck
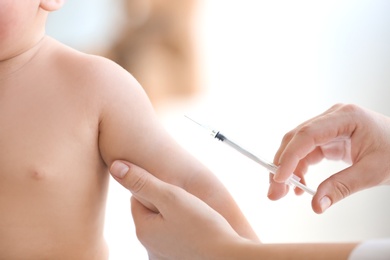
16, 62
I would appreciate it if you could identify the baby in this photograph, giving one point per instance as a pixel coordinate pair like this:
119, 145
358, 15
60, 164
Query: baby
65, 117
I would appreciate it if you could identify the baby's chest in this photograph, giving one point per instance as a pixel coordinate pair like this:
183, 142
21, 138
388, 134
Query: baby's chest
45, 145
45, 131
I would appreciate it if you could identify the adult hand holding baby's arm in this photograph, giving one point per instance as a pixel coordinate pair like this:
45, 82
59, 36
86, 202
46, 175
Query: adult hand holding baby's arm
344, 132
181, 226
184, 227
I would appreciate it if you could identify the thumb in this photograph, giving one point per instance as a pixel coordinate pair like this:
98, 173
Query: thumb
138, 181
340, 186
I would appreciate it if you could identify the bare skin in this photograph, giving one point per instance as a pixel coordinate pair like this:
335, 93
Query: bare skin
53, 181
65, 116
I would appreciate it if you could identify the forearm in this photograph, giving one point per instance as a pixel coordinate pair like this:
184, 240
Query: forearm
249, 250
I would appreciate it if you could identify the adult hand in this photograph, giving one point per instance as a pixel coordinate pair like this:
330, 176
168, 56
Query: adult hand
344, 132
179, 226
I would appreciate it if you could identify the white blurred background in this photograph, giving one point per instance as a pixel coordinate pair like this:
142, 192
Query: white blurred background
266, 66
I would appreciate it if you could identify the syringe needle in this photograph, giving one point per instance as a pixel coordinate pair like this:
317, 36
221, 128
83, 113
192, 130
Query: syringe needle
194, 121
208, 128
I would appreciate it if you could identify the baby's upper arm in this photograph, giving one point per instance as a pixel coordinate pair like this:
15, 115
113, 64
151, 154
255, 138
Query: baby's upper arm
130, 130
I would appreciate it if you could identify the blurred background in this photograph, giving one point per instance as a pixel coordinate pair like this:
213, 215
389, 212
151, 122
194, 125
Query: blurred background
254, 70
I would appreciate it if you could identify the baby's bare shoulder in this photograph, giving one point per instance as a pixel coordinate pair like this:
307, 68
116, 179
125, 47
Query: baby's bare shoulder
95, 74
111, 82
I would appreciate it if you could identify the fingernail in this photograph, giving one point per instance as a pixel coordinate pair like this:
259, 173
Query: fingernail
276, 173
276, 176
325, 203
279, 180
119, 169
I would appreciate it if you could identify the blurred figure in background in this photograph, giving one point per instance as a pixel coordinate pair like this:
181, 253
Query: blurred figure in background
157, 46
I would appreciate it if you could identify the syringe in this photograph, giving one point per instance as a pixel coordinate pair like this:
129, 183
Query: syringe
293, 180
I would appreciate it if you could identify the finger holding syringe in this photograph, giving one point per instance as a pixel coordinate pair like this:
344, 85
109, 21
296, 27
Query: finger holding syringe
280, 177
